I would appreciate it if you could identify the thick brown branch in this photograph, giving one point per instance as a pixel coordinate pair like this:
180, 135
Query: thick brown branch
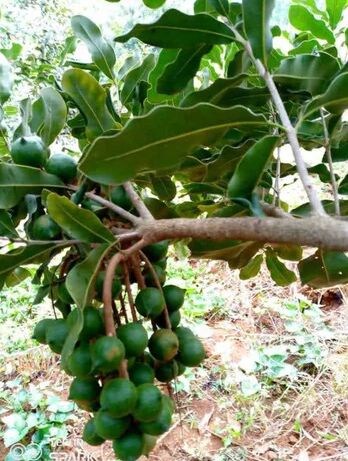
139, 205
318, 232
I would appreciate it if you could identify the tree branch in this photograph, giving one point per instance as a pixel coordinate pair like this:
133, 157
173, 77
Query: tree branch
139, 205
290, 130
331, 167
318, 232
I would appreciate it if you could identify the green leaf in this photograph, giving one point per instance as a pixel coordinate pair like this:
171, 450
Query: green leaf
307, 73
75, 221
7, 228
305, 47
343, 187
6, 79
224, 93
16, 181
335, 9
178, 73
334, 100
165, 57
179, 30
289, 252
135, 76
236, 253
102, 53
17, 276
55, 113
140, 145
302, 19
221, 6
76, 324
251, 167
324, 269
164, 187
90, 97
252, 269
257, 15
81, 278
22, 256
280, 274
154, 3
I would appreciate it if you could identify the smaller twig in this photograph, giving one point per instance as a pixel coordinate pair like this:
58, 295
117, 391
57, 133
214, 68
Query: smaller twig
331, 166
116, 314
115, 208
137, 273
124, 237
139, 205
40, 242
123, 308
129, 292
274, 211
159, 286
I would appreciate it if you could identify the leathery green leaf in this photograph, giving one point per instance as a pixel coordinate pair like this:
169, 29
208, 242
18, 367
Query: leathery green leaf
177, 74
77, 222
324, 269
257, 15
55, 112
179, 30
334, 100
251, 167
252, 269
280, 274
16, 181
7, 228
102, 53
140, 146
81, 279
302, 19
90, 98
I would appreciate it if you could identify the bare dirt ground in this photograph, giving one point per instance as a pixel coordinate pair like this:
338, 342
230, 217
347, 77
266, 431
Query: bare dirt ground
306, 420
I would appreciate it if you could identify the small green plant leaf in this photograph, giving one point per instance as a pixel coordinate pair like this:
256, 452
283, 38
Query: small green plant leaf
75, 221
90, 98
55, 113
139, 146
16, 181
251, 167
179, 30
102, 53
257, 15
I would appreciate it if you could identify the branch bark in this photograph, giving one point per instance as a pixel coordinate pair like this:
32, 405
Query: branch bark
318, 232
139, 205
